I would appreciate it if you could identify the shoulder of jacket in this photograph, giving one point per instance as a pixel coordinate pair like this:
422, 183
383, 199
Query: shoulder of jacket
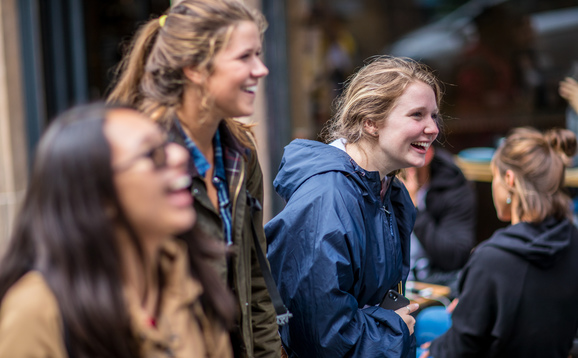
487, 254
335, 181
333, 189
31, 298
30, 320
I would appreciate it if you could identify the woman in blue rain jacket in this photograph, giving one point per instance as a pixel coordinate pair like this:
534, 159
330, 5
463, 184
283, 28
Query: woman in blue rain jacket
342, 241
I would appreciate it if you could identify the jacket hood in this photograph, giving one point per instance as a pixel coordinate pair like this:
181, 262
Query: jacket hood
540, 243
303, 159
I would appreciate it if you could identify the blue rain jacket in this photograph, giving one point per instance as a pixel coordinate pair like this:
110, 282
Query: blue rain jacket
335, 250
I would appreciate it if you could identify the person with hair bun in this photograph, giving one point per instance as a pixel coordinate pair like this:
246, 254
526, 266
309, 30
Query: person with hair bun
194, 70
342, 241
518, 291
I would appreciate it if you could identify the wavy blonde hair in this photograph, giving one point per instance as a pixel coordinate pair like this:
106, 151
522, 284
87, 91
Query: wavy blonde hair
538, 161
371, 93
151, 77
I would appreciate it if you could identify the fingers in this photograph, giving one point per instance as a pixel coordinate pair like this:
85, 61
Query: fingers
407, 310
410, 322
568, 87
425, 354
452, 306
570, 81
405, 314
413, 307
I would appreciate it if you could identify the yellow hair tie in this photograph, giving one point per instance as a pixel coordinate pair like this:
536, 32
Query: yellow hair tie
162, 20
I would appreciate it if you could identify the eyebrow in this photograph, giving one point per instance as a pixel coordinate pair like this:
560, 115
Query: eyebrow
249, 49
422, 108
151, 139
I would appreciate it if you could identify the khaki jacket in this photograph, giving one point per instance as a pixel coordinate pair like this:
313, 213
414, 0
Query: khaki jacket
31, 325
257, 323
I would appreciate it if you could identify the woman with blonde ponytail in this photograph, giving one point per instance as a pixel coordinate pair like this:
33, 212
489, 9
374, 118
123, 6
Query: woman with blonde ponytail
194, 70
518, 290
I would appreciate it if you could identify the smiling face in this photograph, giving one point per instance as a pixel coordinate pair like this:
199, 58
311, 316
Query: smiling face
237, 70
409, 130
152, 189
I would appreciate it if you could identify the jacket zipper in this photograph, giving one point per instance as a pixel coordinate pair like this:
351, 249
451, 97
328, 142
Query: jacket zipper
389, 220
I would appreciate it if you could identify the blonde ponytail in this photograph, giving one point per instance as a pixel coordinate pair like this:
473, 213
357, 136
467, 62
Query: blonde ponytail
131, 69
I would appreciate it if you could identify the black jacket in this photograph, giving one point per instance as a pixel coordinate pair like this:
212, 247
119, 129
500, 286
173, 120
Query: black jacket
519, 295
446, 229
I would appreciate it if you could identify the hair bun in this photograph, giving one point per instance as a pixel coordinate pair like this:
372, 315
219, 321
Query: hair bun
562, 141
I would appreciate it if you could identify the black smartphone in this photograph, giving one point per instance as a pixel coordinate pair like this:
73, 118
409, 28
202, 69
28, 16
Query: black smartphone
394, 300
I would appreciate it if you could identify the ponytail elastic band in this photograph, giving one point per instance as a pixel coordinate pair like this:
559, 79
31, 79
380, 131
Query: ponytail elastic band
162, 20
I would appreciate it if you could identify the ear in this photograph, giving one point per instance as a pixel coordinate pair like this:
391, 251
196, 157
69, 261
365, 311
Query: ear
194, 75
370, 127
510, 179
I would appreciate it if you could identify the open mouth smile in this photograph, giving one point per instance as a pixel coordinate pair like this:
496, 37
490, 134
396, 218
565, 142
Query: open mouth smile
179, 183
250, 89
421, 145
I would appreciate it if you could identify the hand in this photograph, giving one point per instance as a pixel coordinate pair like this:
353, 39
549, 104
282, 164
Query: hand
569, 91
452, 306
425, 353
405, 314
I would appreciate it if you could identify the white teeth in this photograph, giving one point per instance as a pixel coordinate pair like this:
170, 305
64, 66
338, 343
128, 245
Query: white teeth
181, 182
422, 144
252, 89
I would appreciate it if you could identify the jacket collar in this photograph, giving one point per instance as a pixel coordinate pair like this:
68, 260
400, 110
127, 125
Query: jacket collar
179, 291
228, 142
376, 188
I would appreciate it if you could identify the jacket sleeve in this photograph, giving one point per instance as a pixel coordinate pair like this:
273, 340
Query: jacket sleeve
448, 236
266, 340
30, 323
485, 310
316, 262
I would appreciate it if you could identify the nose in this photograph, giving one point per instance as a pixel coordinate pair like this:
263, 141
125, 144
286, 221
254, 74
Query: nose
432, 127
177, 156
260, 70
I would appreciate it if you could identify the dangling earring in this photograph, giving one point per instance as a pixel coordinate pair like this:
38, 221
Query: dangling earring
509, 200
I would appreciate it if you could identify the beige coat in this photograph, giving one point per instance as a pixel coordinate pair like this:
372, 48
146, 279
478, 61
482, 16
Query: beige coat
30, 322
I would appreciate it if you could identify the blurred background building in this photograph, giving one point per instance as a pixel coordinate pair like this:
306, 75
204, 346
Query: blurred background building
501, 61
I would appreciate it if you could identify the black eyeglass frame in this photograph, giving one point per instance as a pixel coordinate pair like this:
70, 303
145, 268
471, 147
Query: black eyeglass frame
157, 154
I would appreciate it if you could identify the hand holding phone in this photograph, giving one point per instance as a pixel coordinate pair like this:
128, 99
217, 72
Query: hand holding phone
394, 300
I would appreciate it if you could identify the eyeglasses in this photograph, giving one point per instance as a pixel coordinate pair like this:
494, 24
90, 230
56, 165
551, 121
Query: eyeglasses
158, 156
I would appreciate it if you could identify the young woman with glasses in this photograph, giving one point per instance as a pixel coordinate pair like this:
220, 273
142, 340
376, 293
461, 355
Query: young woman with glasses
92, 268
